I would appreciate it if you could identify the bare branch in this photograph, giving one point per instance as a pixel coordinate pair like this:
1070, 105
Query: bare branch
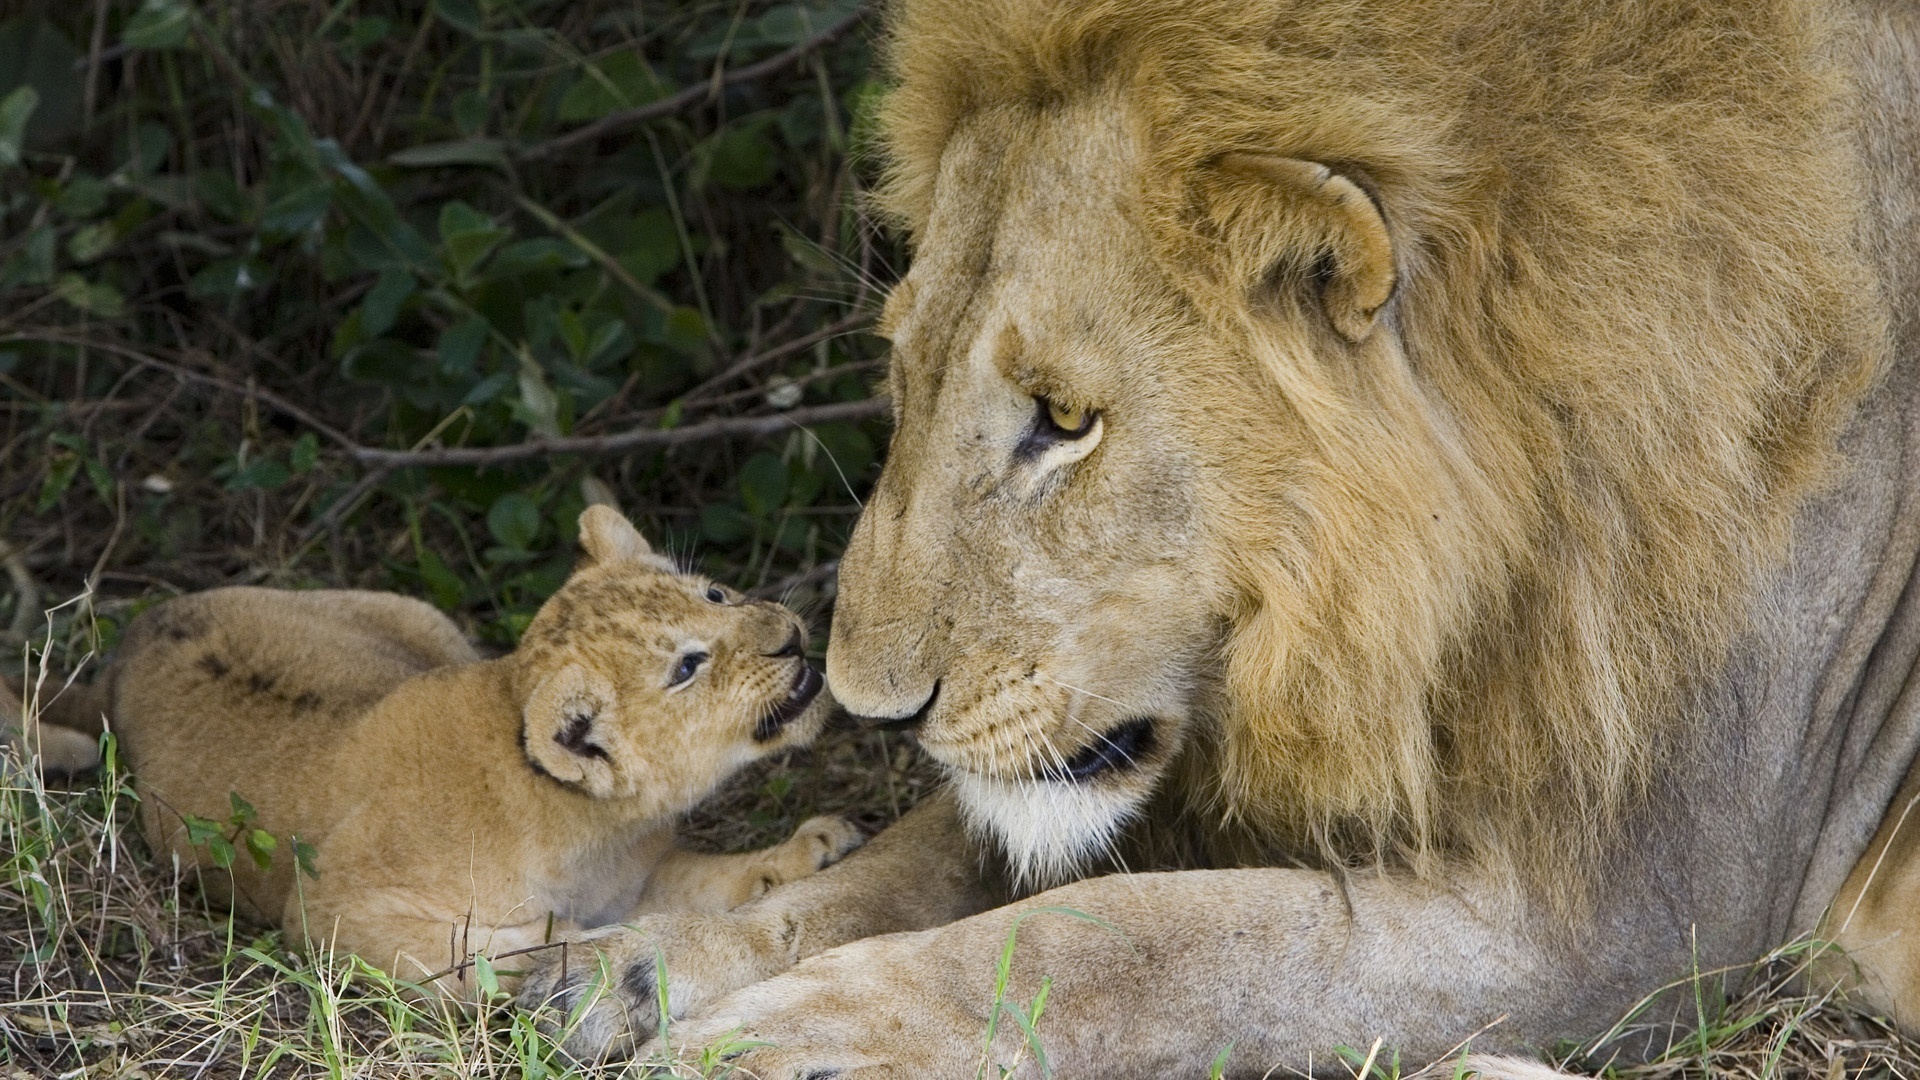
723, 428
858, 320
692, 95
52, 336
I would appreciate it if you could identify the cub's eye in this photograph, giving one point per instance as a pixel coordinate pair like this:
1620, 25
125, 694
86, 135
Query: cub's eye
716, 594
1066, 421
688, 666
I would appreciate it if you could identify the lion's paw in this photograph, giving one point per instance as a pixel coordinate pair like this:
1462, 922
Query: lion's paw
599, 996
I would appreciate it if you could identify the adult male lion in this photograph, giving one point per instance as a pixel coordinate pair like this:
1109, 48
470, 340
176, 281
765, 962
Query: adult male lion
1437, 477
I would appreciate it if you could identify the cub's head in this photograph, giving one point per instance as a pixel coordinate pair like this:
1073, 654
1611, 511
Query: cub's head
638, 681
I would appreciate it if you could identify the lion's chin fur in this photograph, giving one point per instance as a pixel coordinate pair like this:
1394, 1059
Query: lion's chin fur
1049, 831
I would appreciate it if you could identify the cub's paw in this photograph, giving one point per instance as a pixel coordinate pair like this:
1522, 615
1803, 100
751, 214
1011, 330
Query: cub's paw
825, 839
818, 843
599, 996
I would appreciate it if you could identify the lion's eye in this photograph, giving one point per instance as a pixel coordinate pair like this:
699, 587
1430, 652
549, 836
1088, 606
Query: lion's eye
716, 594
1068, 421
688, 666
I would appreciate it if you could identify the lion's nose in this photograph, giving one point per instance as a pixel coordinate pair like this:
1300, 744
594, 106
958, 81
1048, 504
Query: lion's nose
904, 722
795, 645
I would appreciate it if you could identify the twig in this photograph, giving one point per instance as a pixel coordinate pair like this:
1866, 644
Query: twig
265, 397
784, 349
812, 576
723, 428
383, 459
460, 968
347, 503
692, 95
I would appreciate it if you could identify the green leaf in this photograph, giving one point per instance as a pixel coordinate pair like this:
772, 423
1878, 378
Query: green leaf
200, 830
263, 472
82, 197
222, 851
382, 305
60, 472
686, 330
151, 142
470, 111
33, 263
467, 236
489, 389
459, 344
306, 452
456, 152
101, 479
243, 811
1219, 1067
741, 158
159, 24
304, 855
227, 277
514, 520
92, 241
539, 406
448, 591
484, 975
93, 298
298, 210
34, 52
460, 14
572, 334
620, 81
260, 845
15, 110
539, 255
217, 192
763, 484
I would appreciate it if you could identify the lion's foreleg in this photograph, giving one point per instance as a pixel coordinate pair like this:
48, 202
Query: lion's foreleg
920, 873
1153, 975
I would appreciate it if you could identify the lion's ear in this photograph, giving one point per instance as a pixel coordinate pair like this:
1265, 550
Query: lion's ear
607, 536
1299, 221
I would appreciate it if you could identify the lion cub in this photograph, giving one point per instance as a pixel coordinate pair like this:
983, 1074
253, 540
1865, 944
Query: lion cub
457, 805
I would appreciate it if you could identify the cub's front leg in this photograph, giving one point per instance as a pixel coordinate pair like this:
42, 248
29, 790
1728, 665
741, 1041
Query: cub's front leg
696, 882
921, 872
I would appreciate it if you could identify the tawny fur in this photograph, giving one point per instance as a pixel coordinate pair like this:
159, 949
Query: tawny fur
1479, 514
459, 805
1464, 602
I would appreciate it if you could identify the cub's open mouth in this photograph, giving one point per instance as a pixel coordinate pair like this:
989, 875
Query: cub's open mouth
806, 686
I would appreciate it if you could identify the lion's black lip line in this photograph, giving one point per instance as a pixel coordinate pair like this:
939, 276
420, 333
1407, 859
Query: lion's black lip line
1122, 746
901, 723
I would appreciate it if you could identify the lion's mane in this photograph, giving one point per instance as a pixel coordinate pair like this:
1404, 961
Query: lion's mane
1633, 321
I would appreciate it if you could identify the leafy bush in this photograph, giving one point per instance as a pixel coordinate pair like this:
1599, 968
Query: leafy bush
362, 291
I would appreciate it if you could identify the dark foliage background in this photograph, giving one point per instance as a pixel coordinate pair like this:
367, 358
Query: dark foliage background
363, 292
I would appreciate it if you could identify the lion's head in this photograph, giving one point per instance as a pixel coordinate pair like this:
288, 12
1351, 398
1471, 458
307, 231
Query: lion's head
1320, 430
637, 680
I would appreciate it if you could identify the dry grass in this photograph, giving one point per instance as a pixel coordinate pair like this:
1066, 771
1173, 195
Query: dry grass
112, 967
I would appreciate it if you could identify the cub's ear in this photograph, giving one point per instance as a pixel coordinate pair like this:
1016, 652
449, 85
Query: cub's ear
1292, 223
565, 730
607, 536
